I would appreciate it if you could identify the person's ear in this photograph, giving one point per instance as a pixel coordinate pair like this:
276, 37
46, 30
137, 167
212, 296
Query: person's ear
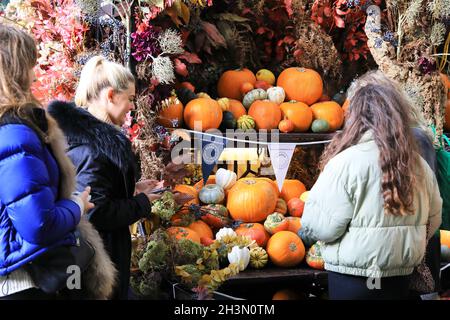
110, 94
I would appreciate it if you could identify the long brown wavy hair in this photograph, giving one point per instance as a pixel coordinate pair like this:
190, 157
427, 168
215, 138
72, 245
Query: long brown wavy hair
18, 55
382, 108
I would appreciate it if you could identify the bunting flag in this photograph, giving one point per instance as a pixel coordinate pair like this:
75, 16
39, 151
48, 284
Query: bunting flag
212, 147
281, 155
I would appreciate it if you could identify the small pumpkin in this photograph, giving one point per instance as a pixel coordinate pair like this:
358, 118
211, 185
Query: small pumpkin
265, 75
285, 249
276, 94
296, 207
314, 256
230, 82
295, 224
286, 126
224, 103
301, 84
203, 95
225, 232
267, 114
204, 113
228, 121
225, 178
281, 206
254, 231
329, 111
236, 108
276, 222
171, 113
260, 84
340, 97
320, 125
246, 123
185, 95
211, 194
246, 87
183, 233
252, 96
299, 113
239, 256
258, 258
292, 188
202, 229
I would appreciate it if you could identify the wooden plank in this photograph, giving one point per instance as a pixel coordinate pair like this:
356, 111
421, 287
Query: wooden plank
279, 273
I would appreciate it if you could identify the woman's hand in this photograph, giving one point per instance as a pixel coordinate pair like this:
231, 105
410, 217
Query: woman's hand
85, 196
148, 185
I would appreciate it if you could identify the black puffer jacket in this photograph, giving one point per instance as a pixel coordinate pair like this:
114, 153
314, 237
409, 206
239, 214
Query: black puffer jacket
104, 161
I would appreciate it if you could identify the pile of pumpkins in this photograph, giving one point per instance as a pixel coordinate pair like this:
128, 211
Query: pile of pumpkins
269, 217
293, 102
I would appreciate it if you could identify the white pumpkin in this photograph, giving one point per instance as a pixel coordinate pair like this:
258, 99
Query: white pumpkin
225, 232
239, 256
225, 178
276, 94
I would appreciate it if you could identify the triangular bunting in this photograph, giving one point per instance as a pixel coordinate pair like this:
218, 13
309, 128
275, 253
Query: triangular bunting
281, 155
212, 148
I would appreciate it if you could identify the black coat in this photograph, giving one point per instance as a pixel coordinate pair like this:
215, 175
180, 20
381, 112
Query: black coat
104, 160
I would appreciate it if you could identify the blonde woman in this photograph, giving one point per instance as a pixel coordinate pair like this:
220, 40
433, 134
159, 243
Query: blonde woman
103, 157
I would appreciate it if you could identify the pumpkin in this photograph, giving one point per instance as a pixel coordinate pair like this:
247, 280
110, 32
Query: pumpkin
329, 111
183, 233
202, 229
267, 114
171, 113
292, 189
285, 249
276, 222
286, 126
320, 125
215, 215
252, 96
276, 94
340, 97
301, 84
254, 231
445, 237
185, 95
203, 113
251, 200
203, 95
260, 84
286, 294
225, 232
281, 206
190, 190
230, 82
295, 224
314, 257
228, 121
199, 185
258, 257
447, 116
239, 256
224, 103
246, 123
295, 207
299, 113
273, 183
265, 75
246, 87
211, 194
225, 178
236, 108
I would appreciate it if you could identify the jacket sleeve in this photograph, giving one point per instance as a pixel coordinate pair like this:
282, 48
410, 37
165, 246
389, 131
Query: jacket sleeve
435, 216
27, 192
328, 209
109, 213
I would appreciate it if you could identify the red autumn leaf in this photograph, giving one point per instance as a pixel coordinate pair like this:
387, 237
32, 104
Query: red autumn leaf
214, 34
180, 68
298, 53
190, 57
327, 11
288, 5
261, 30
340, 23
289, 39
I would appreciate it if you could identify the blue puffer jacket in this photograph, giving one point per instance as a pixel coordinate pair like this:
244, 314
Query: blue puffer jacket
32, 218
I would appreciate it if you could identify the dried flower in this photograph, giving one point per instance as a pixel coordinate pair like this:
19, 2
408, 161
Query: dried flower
437, 34
90, 7
162, 69
170, 42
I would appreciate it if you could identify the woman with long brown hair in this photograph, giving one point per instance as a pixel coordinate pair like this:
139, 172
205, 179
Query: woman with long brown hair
374, 199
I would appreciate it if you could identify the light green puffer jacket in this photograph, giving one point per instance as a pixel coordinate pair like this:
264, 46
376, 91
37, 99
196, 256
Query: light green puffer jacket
345, 210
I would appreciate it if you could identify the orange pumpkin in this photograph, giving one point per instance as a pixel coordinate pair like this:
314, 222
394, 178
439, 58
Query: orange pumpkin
286, 126
445, 237
236, 108
267, 114
295, 207
190, 190
292, 188
295, 224
246, 87
447, 116
299, 113
255, 231
301, 84
261, 84
230, 83
203, 112
273, 183
171, 114
330, 111
281, 206
183, 233
285, 249
251, 200
202, 229
286, 294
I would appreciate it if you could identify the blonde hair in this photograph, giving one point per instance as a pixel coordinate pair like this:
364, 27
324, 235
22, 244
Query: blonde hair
18, 55
378, 77
98, 74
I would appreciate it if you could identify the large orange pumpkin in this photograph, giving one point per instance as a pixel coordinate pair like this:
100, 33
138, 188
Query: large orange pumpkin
230, 83
255, 231
447, 116
183, 233
301, 84
285, 249
251, 200
292, 188
329, 111
273, 183
267, 114
203, 112
299, 113
202, 229
171, 114
281, 206
236, 108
